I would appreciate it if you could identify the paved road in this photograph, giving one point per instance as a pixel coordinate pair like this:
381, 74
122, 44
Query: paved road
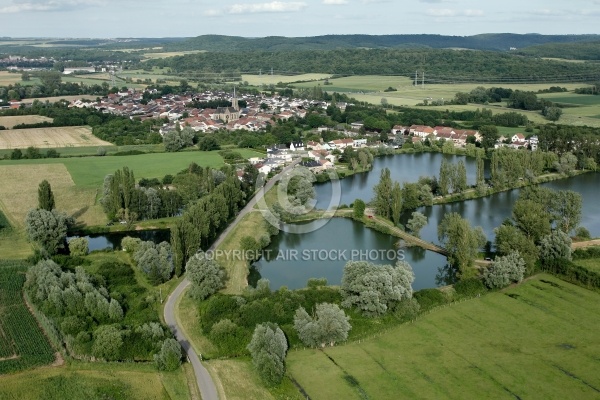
207, 387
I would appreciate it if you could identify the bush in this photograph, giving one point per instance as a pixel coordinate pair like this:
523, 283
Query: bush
169, 357
314, 283
407, 309
129, 153
429, 298
582, 233
130, 244
469, 287
78, 246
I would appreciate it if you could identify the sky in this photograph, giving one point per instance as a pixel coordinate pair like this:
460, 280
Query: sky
293, 18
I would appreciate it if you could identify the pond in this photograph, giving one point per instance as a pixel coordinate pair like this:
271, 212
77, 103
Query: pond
403, 168
291, 258
112, 240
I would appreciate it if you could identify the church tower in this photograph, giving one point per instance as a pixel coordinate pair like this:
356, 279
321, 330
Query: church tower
234, 101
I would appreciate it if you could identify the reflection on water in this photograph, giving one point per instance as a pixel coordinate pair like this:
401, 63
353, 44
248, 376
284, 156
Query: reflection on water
112, 240
291, 259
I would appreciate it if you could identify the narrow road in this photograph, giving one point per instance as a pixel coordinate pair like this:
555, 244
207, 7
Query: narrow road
207, 387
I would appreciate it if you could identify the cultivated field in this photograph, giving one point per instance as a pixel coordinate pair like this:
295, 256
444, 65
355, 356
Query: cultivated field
266, 79
9, 78
535, 340
90, 171
19, 194
152, 56
43, 138
76, 181
10, 121
22, 343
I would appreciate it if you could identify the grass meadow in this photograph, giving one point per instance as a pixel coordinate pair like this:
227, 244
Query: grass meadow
534, 340
78, 380
593, 264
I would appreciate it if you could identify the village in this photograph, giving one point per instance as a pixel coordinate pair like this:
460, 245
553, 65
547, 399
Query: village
259, 111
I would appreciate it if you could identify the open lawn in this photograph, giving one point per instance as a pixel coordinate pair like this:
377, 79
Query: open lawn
43, 138
266, 79
535, 340
572, 98
78, 381
10, 121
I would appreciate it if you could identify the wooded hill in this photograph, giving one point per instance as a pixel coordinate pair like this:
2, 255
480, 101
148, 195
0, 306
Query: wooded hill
440, 65
571, 51
488, 41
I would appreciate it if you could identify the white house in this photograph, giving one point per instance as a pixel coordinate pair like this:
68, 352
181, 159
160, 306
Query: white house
359, 142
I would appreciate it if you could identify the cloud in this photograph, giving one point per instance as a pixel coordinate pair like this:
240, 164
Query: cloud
446, 13
212, 13
272, 7
335, 2
51, 5
432, 1
473, 13
440, 12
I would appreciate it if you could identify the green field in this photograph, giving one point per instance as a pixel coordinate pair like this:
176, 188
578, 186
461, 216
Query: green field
92, 150
22, 343
90, 171
593, 264
572, 98
535, 340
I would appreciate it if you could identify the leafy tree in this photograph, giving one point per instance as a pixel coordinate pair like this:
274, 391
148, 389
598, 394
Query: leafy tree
45, 196
359, 208
509, 238
78, 246
169, 357
176, 140
489, 135
268, 348
205, 274
115, 312
383, 194
552, 113
554, 247
47, 228
445, 177
130, 244
504, 270
461, 240
566, 205
416, 223
108, 341
374, 289
155, 260
396, 205
459, 183
531, 218
329, 325
208, 143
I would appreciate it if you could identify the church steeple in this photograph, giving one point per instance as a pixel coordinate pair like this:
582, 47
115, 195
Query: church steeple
234, 101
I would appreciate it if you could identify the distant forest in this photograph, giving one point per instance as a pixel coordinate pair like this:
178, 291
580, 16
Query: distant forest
490, 41
571, 51
439, 65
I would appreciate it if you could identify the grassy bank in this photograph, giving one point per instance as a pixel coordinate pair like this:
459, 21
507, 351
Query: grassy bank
77, 381
534, 340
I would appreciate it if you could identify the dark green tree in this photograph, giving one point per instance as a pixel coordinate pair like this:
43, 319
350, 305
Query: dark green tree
45, 196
